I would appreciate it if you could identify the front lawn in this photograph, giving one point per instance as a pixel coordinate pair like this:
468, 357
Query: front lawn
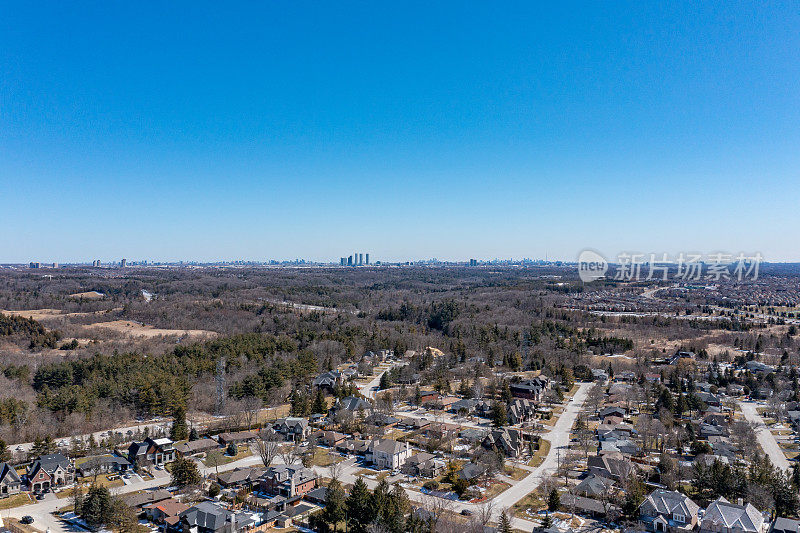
541, 453
219, 457
15, 501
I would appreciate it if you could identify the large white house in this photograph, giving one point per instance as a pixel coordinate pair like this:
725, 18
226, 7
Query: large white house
387, 453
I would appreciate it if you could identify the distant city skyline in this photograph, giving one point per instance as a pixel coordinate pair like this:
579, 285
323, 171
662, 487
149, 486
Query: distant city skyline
279, 131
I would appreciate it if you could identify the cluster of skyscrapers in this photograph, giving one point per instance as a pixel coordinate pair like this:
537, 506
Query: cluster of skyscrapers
354, 260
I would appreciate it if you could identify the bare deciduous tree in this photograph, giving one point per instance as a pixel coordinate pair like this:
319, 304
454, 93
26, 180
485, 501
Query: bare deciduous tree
267, 448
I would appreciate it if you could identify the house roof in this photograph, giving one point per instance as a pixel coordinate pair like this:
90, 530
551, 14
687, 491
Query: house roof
240, 475
351, 403
472, 470
170, 507
668, 502
51, 462
7, 473
206, 515
594, 485
389, 446
194, 446
143, 498
786, 525
723, 513
615, 467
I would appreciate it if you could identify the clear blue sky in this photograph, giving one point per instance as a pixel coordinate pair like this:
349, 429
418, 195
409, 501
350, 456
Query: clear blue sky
170, 130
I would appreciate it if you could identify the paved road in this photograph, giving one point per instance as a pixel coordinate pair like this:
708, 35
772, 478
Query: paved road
64, 442
368, 389
765, 437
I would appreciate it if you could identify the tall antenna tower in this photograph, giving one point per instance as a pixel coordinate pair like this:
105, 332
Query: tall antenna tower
220, 386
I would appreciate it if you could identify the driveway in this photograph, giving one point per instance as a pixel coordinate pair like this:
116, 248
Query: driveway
765, 437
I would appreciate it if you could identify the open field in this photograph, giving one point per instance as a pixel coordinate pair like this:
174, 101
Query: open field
135, 329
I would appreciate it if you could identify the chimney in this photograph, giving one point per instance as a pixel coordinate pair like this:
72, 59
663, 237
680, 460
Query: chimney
740, 501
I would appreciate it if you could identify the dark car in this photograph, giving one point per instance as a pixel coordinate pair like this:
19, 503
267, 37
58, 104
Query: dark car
27, 519
466, 512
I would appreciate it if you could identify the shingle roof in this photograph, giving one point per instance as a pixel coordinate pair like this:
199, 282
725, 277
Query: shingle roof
724, 513
206, 515
666, 502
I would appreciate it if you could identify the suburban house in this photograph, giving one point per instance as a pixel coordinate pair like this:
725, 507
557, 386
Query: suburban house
428, 396
208, 517
10, 482
236, 437
165, 512
593, 486
465, 406
785, 525
509, 441
139, 500
101, 464
151, 452
609, 467
241, 477
472, 471
723, 516
350, 404
423, 464
611, 411
292, 428
328, 380
288, 480
521, 410
50, 471
387, 453
196, 447
531, 389
329, 438
668, 512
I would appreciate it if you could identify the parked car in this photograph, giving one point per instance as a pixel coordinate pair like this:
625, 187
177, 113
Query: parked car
466, 512
27, 519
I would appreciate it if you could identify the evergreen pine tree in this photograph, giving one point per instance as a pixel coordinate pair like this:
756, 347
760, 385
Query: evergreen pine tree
179, 430
505, 523
335, 505
320, 406
359, 507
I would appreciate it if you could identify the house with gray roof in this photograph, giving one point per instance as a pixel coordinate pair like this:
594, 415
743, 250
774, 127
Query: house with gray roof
151, 452
10, 482
785, 525
101, 464
293, 428
722, 516
328, 380
594, 485
668, 512
208, 517
351, 404
388, 453
196, 447
50, 471
609, 467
